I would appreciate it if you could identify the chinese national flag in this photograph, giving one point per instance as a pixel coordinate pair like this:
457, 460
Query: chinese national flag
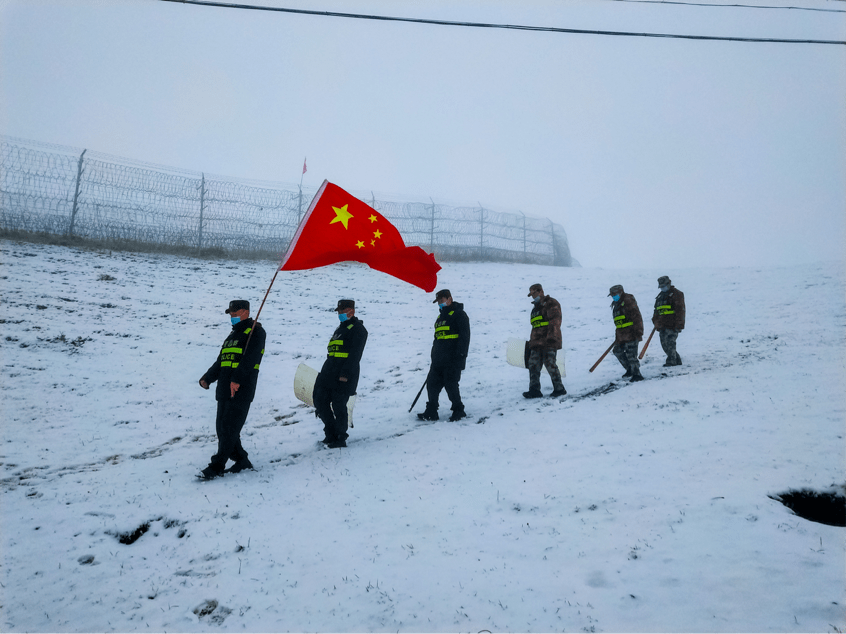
339, 227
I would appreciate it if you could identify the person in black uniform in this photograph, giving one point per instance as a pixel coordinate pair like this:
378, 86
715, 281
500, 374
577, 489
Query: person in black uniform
236, 372
449, 356
338, 378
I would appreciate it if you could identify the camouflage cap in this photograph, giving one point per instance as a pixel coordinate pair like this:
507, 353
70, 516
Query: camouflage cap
617, 289
664, 281
444, 292
535, 287
344, 304
237, 304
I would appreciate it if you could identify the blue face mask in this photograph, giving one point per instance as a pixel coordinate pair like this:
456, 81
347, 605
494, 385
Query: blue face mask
441, 306
664, 289
616, 298
343, 317
234, 320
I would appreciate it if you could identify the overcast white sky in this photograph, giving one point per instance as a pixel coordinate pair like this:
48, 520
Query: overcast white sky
650, 152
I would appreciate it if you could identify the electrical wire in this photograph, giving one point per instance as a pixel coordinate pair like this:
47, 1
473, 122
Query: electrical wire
516, 27
731, 6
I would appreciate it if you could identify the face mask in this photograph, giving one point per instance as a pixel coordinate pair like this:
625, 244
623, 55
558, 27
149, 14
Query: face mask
234, 320
616, 298
441, 306
536, 300
342, 316
664, 289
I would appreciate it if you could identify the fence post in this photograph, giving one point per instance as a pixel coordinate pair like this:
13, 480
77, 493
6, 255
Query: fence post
76, 193
202, 207
432, 229
554, 249
300, 208
481, 231
524, 235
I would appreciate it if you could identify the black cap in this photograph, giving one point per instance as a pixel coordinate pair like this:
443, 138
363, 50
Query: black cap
534, 287
444, 292
343, 304
237, 304
617, 289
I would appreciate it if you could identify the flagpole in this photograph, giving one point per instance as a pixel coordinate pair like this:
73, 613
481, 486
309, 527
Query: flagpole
255, 319
300, 209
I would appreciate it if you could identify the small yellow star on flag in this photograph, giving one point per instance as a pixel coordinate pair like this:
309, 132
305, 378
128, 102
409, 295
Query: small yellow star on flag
372, 218
341, 215
373, 243
359, 244
377, 234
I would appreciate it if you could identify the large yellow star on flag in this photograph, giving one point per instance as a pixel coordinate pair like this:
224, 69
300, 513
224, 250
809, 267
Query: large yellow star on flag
342, 216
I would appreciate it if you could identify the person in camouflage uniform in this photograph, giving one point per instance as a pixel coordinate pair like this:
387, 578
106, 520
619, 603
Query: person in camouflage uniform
544, 343
629, 331
668, 318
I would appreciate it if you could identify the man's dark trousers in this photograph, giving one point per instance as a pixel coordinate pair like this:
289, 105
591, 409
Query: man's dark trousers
444, 377
231, 416
330, 403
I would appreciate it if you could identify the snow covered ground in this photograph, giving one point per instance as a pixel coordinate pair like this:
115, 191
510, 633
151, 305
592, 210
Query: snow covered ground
620, 507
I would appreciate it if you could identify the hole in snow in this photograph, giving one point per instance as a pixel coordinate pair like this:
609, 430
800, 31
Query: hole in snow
824, 507
131, 538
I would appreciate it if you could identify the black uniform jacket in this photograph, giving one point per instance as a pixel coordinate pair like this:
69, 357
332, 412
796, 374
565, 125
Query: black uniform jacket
452, 337
234, 365
344, 356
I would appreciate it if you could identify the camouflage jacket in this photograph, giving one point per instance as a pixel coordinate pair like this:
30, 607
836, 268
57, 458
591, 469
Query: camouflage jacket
546, 325
627, 319
669, 310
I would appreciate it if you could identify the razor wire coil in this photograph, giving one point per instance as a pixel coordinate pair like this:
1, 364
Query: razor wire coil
46, 188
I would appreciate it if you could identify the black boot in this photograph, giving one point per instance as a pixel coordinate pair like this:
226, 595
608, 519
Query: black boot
627, 374
427, 415
210, 473
239, 466
557, 393
533, 394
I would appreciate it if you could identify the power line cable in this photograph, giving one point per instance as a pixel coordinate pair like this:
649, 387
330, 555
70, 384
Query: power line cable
730, 6
516, 27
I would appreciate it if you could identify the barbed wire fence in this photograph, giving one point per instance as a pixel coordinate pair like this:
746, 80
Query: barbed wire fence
90, 196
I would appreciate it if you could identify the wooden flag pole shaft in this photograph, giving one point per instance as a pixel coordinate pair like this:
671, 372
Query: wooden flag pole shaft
255, 319
646, 345
604, 354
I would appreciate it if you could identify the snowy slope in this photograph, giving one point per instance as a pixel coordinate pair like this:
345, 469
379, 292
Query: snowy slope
639, 508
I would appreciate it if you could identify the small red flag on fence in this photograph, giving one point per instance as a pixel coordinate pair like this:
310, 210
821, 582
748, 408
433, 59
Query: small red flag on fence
339, 227
304, 166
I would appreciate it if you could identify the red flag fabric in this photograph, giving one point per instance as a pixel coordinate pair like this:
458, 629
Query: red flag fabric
339, 227
304, 166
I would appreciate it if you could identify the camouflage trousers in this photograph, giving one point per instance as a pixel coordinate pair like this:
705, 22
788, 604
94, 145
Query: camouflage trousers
626, 353
537, 360
668, 342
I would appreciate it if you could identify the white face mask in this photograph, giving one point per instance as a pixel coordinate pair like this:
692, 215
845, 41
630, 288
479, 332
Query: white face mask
536, 300
664, 289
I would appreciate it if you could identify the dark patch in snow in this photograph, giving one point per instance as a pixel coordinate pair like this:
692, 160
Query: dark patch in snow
824, 507
131, 538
